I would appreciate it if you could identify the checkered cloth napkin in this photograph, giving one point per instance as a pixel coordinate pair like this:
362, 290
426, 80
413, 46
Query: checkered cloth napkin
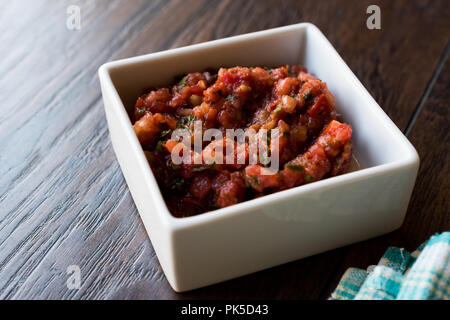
400, 275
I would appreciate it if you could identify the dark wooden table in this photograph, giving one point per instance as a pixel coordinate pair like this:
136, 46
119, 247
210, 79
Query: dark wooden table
63, 199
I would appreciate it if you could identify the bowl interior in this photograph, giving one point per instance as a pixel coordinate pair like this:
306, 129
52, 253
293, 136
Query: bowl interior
375, 140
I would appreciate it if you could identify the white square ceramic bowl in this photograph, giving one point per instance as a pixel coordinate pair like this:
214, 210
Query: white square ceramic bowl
281, 227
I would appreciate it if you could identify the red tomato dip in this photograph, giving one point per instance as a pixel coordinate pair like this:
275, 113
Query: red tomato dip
312, 144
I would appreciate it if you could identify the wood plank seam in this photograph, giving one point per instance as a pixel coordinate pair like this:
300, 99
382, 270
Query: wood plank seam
427, 91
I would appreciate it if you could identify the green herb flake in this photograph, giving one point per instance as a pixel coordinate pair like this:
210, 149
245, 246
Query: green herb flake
308, 178
247, 184
307, 96
159, 146
141, 111
165, 133
268, 70
176, 183
175, 166
266, 136
185, 123
266, 161
183, 81
295, 167
190, 119
212, 166
229, 97
277, 110
255, 180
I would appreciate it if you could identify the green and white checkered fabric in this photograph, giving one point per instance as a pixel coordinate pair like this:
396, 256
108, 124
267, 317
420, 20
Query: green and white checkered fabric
400, 275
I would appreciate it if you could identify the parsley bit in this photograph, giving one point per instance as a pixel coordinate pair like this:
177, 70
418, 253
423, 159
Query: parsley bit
255, 180
159, 147
165, 133
247, 184
277, 110
199, 169
307, 96
183, 81
295, 167
175, 166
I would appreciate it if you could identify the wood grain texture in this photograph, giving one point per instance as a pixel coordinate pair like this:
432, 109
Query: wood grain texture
63, 199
